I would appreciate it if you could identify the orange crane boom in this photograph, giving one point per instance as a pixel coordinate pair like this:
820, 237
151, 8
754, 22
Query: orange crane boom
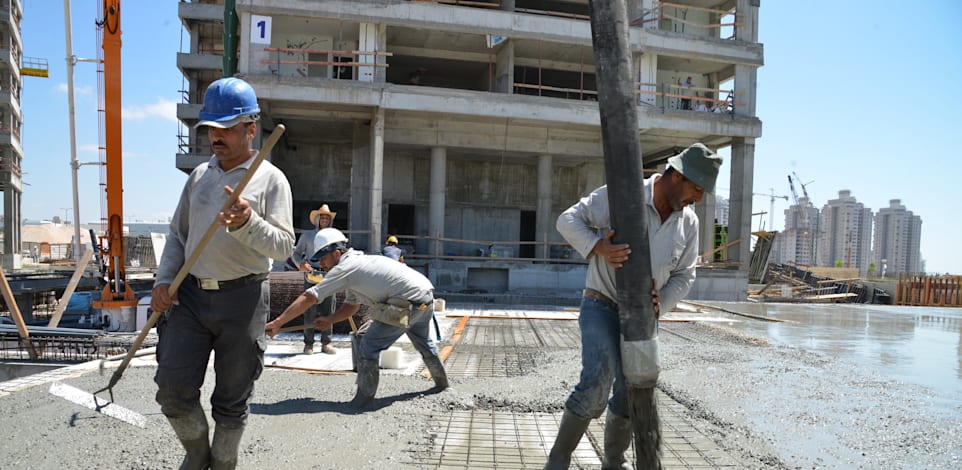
116, 293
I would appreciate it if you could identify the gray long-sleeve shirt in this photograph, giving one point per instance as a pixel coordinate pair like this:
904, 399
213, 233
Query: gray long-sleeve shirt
673, 244
371, 280
230, 254
304, 249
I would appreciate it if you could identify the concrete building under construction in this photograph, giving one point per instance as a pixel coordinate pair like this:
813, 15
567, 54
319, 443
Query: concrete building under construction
13, 66
465, 127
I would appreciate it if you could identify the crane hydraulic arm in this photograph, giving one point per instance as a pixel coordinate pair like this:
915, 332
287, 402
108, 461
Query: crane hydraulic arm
116, 293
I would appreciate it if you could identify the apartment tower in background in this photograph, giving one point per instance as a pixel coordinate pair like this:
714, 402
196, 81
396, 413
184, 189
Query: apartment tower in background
845, 233
898, 234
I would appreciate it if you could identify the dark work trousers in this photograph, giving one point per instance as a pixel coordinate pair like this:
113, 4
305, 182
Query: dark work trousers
324, 309
229, 322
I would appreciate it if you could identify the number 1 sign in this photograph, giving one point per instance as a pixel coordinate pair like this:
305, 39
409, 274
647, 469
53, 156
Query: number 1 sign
260, 29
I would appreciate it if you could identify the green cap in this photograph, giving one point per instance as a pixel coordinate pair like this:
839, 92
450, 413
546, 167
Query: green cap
698, 164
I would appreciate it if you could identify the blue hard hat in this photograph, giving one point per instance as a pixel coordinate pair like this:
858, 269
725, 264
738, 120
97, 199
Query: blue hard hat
229, 101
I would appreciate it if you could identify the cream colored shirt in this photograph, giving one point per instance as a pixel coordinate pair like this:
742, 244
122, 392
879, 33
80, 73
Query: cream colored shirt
268, 234
673, 244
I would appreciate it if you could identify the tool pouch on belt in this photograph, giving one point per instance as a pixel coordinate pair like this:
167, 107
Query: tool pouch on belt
396, 312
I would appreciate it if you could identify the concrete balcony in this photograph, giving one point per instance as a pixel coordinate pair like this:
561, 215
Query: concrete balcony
187, 62
518, 26
416, 114
188, 113
200, 12
186, 162
8, 102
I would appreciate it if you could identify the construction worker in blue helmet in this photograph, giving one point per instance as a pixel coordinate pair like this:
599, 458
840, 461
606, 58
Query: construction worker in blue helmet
221, 305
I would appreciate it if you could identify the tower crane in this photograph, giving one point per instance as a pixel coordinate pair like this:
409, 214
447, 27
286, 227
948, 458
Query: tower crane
771, 211
803, 185
791, 186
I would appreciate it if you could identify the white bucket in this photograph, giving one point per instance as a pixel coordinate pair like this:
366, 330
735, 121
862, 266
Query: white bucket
438, 305
392, 358
119, 319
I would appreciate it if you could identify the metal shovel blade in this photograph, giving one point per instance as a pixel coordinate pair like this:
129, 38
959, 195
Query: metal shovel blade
99, 405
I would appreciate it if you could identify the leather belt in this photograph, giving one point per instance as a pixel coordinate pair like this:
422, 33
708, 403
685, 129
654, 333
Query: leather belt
595, 295
214, 284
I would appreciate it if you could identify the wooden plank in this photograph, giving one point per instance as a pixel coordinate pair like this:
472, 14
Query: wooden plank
74, 280
15, 313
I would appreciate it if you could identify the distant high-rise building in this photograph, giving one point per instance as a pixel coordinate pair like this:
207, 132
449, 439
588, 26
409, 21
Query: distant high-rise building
796, 244
898, 234
721, 210
844, 233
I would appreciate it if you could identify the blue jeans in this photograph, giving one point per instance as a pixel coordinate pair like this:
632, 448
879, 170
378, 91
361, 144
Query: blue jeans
600, 364
381, 336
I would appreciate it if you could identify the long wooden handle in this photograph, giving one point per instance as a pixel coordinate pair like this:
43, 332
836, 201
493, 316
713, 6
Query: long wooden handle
185, 269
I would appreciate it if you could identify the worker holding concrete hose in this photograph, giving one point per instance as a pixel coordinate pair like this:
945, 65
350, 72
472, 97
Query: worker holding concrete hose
400, 300
222, 305
673, 241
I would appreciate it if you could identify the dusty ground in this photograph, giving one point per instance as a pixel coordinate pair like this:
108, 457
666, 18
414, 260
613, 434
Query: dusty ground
768, 406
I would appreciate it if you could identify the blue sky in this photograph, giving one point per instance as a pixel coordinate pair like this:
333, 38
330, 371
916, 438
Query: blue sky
854, 95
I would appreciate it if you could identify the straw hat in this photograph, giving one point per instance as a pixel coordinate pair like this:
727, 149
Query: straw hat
323, 210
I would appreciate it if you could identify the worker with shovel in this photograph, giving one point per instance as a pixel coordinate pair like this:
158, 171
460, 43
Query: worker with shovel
673, 241
400, 300
223, 303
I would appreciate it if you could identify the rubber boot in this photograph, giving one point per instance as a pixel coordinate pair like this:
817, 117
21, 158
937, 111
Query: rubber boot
367, 378
192, 431
436, 368
223, 448
569, 434
617, 441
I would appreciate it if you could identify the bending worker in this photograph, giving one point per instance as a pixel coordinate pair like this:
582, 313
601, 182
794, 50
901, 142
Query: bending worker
222, 305
673, 241
400, 300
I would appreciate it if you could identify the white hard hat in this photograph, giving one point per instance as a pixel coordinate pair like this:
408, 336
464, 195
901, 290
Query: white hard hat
326, 241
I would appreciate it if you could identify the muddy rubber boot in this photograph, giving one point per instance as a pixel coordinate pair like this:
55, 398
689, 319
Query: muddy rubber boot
436, 368
617, 441
367, 378
569, 434
223, 448
192, 431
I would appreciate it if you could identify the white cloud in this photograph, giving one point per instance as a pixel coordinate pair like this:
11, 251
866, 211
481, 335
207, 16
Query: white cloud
162, 108
77, 90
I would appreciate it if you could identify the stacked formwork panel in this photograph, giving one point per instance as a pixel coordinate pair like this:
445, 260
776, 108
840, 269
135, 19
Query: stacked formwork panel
462, 127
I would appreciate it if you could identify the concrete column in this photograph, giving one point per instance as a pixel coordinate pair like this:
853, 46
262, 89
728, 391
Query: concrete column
380, 73
504, 68
438, 186
740, 201
360, 185
377, 178
705, 210
11, 228
647, 66
746, 83
746, 15
371, 37
545, 216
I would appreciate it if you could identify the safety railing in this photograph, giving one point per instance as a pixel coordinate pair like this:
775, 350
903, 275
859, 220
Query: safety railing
344, 61
668, 16
486, 250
